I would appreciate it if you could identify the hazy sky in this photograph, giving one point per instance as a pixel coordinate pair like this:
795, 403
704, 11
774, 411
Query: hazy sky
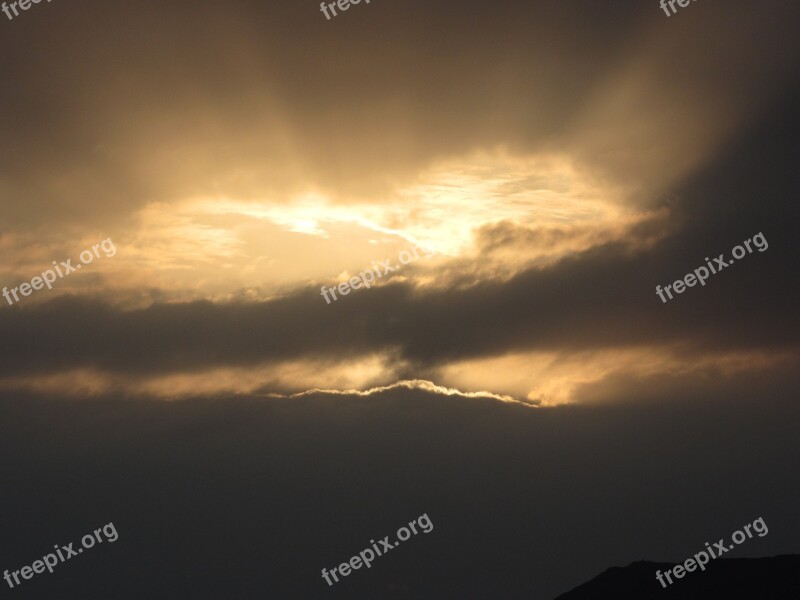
561, 158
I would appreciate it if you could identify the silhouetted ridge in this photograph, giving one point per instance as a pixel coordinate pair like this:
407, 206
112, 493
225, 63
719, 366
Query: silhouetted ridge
776, 578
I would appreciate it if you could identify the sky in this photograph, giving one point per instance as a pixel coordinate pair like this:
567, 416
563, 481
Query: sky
519, 380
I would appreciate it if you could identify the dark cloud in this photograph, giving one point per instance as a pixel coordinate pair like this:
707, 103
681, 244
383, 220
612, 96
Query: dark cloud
247, 497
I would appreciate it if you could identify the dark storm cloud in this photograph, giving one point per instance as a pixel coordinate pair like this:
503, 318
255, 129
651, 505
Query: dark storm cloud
247, 498
605, 299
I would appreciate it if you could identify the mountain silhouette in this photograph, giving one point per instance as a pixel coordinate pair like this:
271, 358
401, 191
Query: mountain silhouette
776, 578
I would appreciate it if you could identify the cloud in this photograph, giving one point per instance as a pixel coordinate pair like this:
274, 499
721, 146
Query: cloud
601, 299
